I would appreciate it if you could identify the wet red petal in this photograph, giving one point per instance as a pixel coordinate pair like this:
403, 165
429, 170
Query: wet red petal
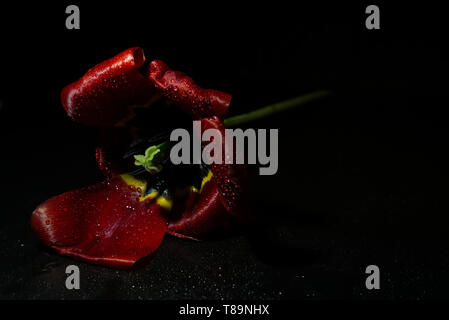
203, 212
181, 90
231, 179
224, 198
104, 224
103, 96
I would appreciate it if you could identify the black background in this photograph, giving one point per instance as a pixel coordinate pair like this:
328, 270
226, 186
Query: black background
362, 174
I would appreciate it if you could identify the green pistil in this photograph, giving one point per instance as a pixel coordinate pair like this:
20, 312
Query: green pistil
153, 158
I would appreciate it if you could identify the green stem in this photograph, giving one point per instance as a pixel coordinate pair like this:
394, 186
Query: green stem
274, 108
154, 155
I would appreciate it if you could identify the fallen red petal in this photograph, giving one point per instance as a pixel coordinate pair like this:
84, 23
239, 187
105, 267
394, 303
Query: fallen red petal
105, 224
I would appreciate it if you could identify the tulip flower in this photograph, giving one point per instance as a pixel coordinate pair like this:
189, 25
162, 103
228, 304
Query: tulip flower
144, 196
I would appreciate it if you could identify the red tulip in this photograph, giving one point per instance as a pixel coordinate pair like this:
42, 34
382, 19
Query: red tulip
123, 219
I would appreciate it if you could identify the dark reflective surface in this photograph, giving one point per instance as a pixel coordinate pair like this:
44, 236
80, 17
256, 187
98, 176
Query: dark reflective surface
362, 175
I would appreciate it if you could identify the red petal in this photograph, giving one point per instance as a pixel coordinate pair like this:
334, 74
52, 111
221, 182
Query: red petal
103, 96
231, 179
105, 224
202, 214
181, 90
223, 199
